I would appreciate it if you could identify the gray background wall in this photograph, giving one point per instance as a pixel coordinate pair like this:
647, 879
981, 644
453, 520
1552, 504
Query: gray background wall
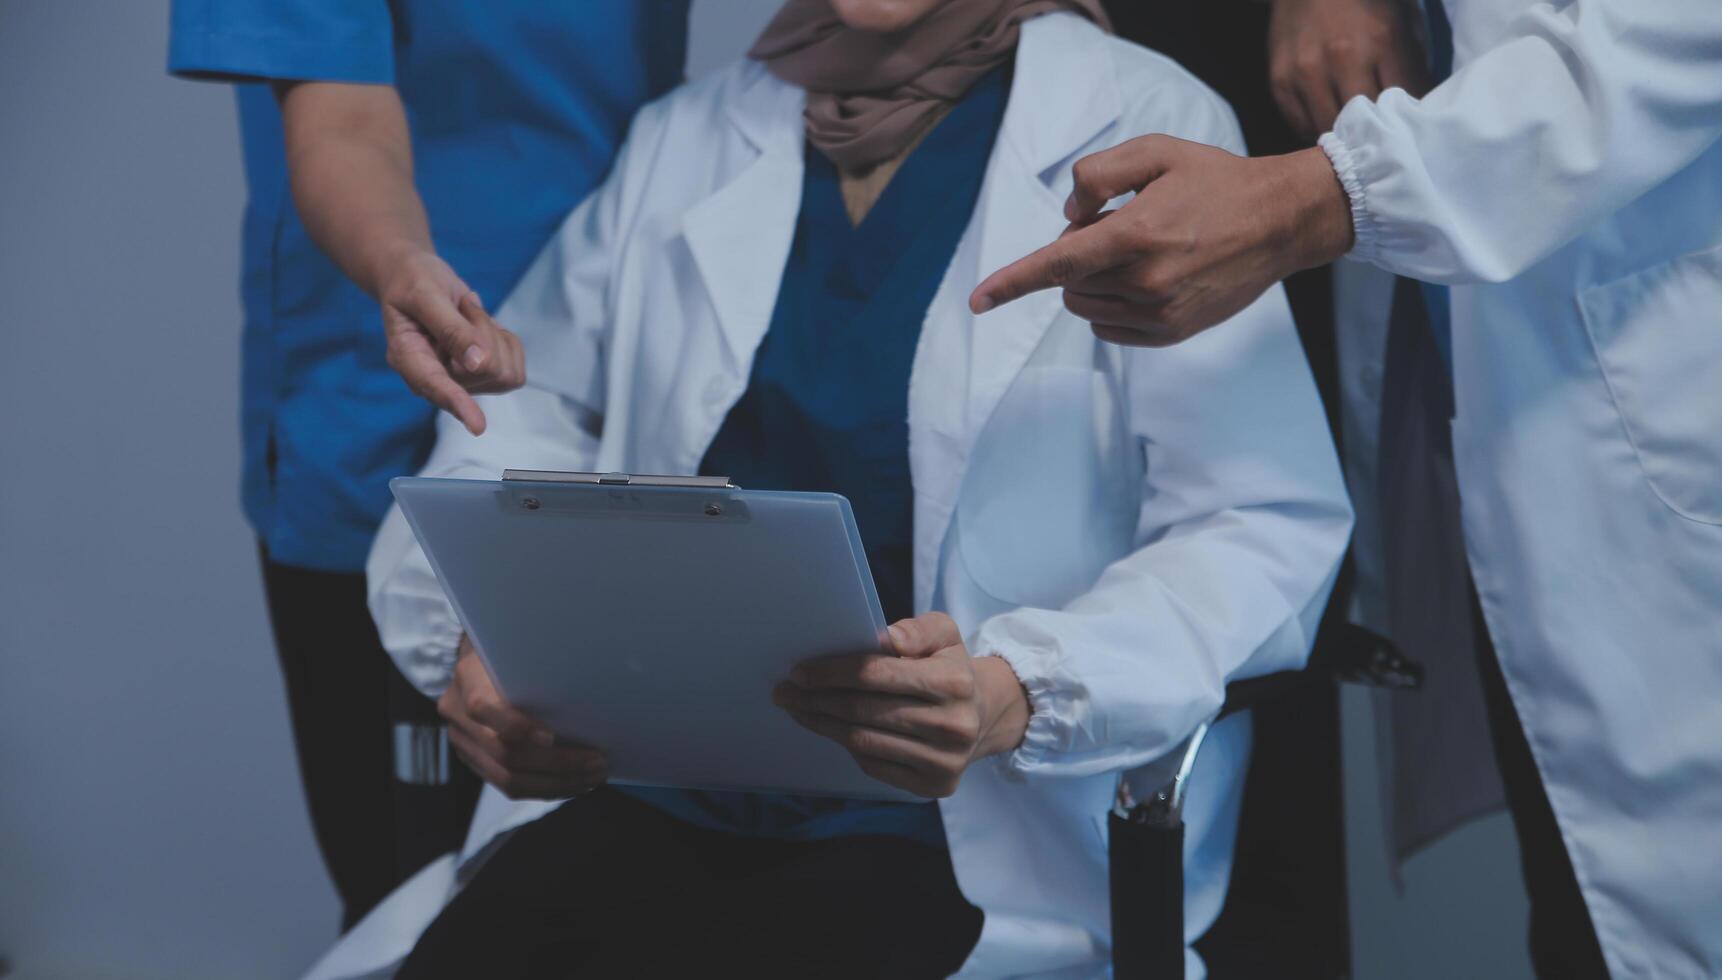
150, 818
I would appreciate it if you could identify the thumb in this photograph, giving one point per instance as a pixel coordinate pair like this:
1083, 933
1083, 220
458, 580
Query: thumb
923, 636
462, 342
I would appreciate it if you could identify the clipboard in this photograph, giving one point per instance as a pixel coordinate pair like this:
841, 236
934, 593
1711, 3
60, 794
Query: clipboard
651, 616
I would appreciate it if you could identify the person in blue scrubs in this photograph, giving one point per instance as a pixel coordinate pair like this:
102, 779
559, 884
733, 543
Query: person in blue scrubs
786, 884
404, 160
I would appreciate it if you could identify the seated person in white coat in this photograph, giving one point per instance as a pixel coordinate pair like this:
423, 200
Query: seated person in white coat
1081, 543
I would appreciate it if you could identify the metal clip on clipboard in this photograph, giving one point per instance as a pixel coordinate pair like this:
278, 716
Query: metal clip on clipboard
617, 479
527, 490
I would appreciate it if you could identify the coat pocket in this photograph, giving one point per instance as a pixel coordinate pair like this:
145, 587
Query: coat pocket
1047, 502
1658, 337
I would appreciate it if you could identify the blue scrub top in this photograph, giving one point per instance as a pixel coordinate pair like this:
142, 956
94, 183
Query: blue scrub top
517, 108
827, 406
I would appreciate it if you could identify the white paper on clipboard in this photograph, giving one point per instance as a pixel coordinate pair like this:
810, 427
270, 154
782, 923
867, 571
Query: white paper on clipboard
653, 621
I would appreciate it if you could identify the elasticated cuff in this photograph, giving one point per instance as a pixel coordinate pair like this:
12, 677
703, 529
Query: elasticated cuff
1051, 702
430, 666
1364, 247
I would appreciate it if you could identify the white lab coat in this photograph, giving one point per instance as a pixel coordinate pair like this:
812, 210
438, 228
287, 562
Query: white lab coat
1129, 529
1567, 180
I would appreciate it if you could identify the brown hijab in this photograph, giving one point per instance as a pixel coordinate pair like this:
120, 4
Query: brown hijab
870, 96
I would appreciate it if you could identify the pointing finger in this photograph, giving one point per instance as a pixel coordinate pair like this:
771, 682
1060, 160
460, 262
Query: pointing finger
1073, 256
411, 355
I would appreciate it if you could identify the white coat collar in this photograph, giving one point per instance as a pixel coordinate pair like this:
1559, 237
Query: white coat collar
1063, 95
740, 235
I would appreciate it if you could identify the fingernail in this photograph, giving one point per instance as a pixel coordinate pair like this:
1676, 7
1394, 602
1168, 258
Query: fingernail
474, 357
544, 737
982, 304
798, 677
898, 637
1070, 207
477, 300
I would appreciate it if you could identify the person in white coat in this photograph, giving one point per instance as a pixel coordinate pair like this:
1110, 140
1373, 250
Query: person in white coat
1566, 181
1120, 533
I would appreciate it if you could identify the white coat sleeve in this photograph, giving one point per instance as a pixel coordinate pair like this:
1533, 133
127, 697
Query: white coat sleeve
1242, 526
1243, 522
1576, 111
561, 310
528, 429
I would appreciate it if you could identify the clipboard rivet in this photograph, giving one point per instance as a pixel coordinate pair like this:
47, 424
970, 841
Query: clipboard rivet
714, 510
530, 503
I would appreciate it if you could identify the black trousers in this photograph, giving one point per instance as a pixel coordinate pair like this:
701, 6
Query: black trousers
607, 886
345, 698
1562, 940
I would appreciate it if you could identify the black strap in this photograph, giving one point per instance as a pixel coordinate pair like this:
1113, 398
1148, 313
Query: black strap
1147, 869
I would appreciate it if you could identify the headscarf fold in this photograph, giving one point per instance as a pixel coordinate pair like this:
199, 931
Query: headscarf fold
871, 95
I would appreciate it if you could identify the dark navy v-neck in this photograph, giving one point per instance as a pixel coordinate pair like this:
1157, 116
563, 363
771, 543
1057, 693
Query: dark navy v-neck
827, 403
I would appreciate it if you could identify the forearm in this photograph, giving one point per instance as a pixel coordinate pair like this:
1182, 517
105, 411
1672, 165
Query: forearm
349, 156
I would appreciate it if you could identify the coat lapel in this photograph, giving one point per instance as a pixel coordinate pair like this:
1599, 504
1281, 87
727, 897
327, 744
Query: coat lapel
1063, 96
740, 235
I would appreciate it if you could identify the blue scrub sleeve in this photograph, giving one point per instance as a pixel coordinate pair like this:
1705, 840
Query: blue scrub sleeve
253, 40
